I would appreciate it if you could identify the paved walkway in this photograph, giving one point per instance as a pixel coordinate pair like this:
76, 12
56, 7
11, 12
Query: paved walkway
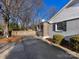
36, 49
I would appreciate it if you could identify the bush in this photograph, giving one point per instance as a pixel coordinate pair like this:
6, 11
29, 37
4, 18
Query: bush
75, 42
57, 38
75, 38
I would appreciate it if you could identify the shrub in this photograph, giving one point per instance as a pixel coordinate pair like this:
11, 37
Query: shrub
57, 38
75, 38
75, 42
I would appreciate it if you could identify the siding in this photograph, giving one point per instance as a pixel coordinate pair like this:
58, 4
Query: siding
72, 29
66, 14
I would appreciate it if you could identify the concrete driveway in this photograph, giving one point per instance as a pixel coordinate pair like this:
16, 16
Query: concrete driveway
36, 49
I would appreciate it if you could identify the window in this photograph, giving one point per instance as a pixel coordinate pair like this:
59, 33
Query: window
61, 26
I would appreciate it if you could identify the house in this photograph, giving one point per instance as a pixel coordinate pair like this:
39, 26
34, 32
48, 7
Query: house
66, 22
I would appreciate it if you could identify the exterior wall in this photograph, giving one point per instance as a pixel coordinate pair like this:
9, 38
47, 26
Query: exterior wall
46, 29
51, 32
24, 33
67, 14
72, 29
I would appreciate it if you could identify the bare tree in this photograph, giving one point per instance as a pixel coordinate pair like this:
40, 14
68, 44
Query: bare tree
22, 9
8, 8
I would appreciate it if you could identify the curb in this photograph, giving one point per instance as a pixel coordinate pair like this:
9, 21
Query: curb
63, 48
4, 48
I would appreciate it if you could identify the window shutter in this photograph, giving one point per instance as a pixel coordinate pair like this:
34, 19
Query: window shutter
64, 26
53, 26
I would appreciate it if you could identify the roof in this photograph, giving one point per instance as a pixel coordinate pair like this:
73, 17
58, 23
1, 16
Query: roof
66, 14
73, 3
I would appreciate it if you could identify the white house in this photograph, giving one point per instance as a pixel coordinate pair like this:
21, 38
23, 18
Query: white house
66, 22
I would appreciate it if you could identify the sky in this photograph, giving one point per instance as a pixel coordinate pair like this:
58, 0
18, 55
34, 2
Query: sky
43, 12
48, 4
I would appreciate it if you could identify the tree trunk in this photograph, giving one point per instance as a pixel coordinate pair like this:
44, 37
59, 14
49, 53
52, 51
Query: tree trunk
6, 25
5, 30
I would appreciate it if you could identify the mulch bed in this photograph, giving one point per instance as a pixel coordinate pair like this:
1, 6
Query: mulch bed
65, 44
10, 39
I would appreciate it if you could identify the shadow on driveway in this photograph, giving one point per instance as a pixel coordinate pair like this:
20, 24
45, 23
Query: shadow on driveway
37, 49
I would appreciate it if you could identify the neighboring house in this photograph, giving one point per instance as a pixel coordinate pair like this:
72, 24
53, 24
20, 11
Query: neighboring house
65, 22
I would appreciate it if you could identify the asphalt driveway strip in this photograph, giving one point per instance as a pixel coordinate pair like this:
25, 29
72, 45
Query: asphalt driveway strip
37, 49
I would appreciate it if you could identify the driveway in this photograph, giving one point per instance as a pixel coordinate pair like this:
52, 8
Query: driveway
36, 49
